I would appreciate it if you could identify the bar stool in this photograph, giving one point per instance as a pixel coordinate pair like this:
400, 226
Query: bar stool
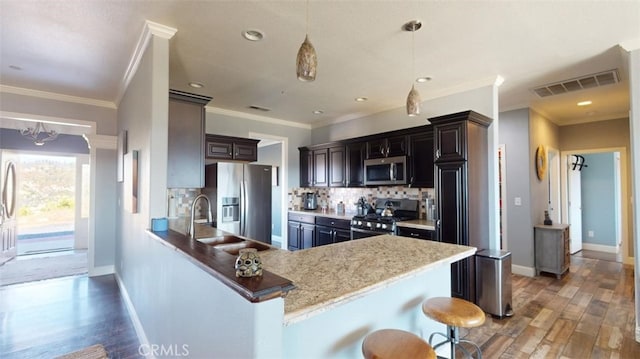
395, 344
455, 313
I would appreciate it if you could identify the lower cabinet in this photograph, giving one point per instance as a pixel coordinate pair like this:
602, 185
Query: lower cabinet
302, 231
416, 233
332, 230
552, 249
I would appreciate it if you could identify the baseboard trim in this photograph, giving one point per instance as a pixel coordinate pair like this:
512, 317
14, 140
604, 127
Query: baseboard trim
137, 325
522, 270
599, 247
102, 270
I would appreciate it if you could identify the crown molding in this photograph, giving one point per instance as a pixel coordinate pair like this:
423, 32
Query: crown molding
101, 141
249, 116
150, 29
56, 96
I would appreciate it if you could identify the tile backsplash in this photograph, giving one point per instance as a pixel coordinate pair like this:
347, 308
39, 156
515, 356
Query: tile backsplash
179, 201
350, 196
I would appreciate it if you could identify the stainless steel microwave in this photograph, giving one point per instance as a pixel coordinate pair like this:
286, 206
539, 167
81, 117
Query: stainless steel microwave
385, 171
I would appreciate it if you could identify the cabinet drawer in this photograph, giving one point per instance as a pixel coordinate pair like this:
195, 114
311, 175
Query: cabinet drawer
333, 222
304, 218
416, 233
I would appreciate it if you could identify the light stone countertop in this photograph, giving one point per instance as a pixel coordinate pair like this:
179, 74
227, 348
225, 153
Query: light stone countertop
331, 275
418, 224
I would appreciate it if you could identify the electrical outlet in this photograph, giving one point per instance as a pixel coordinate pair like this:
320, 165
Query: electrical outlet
590, 234
518, 201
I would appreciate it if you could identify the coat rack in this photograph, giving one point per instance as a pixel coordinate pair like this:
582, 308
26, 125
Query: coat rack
579, 163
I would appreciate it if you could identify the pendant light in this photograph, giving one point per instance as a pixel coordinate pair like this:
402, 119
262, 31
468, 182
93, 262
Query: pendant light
306, 61
413, 99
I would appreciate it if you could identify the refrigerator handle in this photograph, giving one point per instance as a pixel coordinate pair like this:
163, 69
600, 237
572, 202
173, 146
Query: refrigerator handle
243, 208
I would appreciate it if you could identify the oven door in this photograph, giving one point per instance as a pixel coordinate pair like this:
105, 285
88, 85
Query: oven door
357, 233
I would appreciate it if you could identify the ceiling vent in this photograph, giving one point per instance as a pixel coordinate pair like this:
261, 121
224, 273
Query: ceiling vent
581, 83
263, 109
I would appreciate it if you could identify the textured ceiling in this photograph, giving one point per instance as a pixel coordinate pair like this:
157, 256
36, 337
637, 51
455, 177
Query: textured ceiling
83, 48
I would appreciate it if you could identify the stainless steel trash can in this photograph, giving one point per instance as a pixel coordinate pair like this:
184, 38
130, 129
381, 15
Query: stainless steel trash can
493, 282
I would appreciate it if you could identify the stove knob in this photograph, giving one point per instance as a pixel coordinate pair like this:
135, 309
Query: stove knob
368, 224
384, 226
359, 223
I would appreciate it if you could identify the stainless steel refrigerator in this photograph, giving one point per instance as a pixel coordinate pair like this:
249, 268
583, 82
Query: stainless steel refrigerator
242, 197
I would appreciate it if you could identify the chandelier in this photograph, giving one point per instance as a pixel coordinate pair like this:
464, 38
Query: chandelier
39, 134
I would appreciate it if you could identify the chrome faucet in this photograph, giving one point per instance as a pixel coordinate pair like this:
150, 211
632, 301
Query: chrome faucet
192, 230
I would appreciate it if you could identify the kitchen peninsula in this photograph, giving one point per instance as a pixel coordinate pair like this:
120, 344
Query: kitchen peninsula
342, 292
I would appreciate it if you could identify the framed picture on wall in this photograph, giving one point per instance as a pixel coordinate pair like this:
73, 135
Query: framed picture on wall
122, 150
130, 191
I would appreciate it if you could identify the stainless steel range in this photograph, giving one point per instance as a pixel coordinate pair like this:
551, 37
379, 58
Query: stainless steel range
388, 211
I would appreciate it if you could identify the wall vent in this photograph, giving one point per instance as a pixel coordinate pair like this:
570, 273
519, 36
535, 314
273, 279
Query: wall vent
263, 109
581, 83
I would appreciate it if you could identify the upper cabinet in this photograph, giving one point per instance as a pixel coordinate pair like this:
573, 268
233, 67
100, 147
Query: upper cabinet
230, 148
341, 164
421, 159
391, 146
185, 163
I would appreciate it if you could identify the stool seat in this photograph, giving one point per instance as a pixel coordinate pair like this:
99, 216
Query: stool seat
396, 344
454, 312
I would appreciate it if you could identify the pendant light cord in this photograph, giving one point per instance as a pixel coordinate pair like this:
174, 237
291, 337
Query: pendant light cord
307, 29
413, 53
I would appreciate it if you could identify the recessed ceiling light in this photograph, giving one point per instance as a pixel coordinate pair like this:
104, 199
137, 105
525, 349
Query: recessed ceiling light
423, 79
14, 67
584, 103
196, 85
253, 35
318, 112
361, 99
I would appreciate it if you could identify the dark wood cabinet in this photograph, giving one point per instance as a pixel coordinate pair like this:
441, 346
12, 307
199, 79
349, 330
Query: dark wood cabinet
391, 146
332, 230
461, 187
415, 233
301, 231
185, 160
220, 147
421, 160
320, 168
306, 168
337, 166
355, 153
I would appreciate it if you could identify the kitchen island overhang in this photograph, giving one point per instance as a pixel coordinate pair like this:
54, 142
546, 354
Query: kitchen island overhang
343, 291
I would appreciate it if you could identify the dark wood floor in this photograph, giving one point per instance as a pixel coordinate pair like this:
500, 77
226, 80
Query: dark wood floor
588, 313
53, 317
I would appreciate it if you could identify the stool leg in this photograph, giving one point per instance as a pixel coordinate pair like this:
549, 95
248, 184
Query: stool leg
454, 337
476, 347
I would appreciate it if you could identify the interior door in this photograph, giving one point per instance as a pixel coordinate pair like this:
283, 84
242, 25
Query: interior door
8, 212
575, 206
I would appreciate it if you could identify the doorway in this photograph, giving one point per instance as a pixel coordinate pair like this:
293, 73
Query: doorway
594, 184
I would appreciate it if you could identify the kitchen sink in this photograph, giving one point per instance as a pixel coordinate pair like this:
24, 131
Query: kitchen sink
234, 248
219, 240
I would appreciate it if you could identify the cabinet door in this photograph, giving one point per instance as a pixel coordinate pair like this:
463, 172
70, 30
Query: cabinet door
355, 164
293, 228
377, 148
324, 235
450, 142
320, 168
396, 146
217, 149
185, 162
307, 235
421, 160
460, 284
450, 198
337, 166
306, 168
245, 151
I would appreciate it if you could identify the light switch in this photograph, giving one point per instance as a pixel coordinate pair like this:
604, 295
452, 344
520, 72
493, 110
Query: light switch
518, 201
